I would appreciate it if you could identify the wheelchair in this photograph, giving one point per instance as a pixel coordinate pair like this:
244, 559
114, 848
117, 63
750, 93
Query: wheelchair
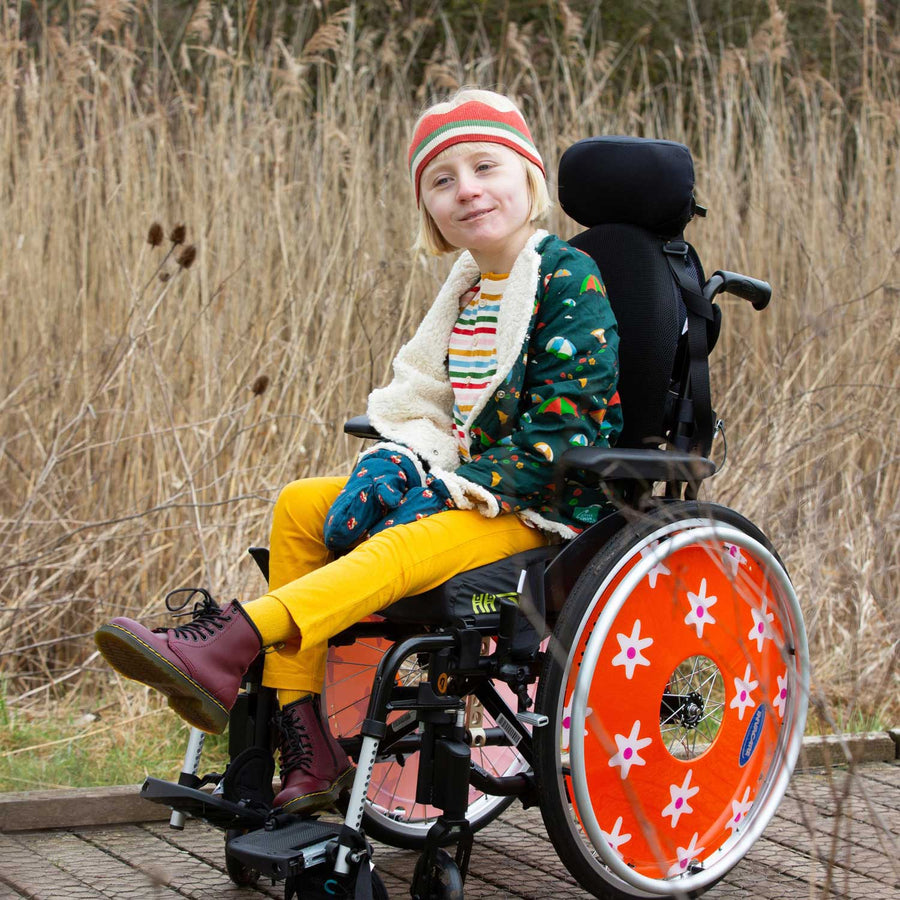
644, 684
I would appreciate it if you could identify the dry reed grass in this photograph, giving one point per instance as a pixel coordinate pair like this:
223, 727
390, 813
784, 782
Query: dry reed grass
150, 413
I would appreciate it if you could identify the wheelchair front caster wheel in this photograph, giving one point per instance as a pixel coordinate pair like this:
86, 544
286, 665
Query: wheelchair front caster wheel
239, 873
443, 882
379, 891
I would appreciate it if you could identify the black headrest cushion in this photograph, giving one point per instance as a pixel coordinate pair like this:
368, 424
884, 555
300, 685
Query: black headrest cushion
627, 180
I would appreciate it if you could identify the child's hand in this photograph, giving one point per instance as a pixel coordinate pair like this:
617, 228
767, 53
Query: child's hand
417, 503
376, 486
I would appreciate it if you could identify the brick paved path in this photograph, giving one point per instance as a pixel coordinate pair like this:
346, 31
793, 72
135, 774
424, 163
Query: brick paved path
836, 835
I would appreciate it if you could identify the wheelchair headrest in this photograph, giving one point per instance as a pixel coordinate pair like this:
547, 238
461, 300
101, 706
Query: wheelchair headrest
629, 181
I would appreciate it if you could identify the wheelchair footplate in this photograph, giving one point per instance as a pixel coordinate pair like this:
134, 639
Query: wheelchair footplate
280, 852
211, 808
302, 853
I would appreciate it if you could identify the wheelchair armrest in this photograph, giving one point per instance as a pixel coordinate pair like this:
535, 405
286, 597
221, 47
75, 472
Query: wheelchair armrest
359, 427
617, 464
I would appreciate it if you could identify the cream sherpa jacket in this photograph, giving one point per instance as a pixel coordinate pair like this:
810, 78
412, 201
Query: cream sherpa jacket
555, 387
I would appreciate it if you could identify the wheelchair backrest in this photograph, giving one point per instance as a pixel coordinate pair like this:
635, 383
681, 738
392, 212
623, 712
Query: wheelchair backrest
635, 195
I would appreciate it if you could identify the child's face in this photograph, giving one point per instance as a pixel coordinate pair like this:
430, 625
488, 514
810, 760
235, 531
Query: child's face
478, 197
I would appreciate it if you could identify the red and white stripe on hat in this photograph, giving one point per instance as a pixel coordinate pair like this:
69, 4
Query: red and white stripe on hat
471, 121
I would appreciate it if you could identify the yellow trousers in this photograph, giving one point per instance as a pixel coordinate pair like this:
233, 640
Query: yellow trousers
323, 595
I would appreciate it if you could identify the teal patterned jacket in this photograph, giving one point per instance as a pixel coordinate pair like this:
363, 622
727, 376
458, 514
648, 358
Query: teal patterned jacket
555, 388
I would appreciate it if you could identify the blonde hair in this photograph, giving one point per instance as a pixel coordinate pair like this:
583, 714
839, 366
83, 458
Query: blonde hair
428, 236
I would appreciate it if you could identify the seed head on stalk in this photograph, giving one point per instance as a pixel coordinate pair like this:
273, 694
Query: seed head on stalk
187, 256
155, 235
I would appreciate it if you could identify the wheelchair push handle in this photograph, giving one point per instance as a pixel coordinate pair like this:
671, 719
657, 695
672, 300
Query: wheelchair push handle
758, 292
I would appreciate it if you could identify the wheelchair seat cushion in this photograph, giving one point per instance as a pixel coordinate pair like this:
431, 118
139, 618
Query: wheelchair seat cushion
469, 596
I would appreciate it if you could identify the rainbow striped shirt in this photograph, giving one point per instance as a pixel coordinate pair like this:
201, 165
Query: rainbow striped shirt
472, 354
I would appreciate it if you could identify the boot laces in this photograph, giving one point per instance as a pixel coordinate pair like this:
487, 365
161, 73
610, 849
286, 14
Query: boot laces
296, 744
207, 616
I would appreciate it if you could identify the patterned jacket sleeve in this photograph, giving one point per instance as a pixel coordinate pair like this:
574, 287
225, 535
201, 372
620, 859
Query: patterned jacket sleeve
569, 396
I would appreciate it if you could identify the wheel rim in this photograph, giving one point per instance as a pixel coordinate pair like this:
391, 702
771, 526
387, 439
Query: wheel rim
671, 797
392, 791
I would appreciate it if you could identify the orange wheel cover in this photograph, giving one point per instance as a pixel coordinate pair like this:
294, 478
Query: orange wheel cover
659, 812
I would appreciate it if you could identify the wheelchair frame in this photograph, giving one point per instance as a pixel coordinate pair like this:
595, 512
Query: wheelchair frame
615, 791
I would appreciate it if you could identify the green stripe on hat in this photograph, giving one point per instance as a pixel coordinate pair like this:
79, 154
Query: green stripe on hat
472, 125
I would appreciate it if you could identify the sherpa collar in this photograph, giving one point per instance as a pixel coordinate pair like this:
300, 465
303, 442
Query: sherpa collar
516, 310
423, 360
513, 320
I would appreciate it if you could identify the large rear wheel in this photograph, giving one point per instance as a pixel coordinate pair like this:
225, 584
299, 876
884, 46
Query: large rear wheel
676, 687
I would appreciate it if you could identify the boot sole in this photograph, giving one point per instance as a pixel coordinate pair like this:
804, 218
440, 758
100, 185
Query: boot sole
322, 800
134, 659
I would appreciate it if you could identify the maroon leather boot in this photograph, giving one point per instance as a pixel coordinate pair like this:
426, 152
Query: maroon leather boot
314, 768
198, 666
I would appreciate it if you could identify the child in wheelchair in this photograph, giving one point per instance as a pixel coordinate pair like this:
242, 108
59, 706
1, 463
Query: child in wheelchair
515, 363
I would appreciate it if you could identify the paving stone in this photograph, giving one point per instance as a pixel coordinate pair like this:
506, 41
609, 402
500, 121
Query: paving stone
56, 865
180, 865
857, 816
530, 870
852, 794
888, 773
834, 836
753, 877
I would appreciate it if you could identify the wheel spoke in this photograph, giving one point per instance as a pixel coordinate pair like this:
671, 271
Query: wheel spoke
689, 729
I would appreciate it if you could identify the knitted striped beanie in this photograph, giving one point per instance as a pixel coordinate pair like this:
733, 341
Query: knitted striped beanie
471, 121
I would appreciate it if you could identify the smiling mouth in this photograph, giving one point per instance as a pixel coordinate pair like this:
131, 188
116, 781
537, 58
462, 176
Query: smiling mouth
475, 215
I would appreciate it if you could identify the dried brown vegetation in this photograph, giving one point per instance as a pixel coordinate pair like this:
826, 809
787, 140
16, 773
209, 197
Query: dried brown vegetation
150, 411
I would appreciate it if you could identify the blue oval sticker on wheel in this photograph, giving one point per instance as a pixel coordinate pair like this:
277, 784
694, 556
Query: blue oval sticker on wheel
752, 735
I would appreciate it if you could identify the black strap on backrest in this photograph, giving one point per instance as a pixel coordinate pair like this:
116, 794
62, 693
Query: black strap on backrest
701, 319
646, 304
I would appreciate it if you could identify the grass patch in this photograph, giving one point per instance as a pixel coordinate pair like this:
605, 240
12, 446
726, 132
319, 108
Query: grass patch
133, 734
62, 747
847, 719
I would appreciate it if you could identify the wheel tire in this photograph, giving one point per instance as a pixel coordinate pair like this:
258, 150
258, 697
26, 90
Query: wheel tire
379, 891
240, 874
616, 700
392, 815
446, 879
